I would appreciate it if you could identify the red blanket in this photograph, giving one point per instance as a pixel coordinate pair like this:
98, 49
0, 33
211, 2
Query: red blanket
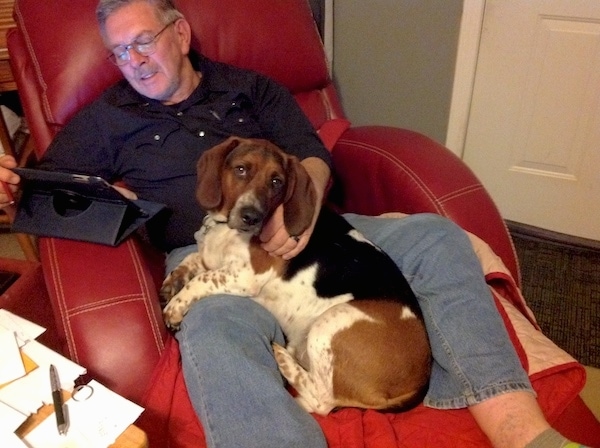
169, 419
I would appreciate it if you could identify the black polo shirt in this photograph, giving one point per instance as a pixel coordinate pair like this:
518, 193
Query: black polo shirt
153, 148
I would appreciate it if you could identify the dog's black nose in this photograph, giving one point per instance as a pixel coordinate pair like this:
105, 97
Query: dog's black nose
251, 216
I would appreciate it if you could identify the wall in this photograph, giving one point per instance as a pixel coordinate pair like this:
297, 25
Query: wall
394, 61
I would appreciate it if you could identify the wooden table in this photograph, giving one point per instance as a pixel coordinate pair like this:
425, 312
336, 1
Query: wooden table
132, 437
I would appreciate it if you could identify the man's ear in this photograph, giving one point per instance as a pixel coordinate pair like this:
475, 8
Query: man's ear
184, 34
210, 168
300, 200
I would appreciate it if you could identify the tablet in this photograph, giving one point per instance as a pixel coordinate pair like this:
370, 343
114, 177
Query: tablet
77, 206
93, 187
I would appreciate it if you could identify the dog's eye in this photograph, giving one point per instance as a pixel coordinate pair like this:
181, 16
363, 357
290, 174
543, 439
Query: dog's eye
276, 183
240, 170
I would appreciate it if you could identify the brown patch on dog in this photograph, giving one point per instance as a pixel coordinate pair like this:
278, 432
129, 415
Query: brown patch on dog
383, 364
209, 169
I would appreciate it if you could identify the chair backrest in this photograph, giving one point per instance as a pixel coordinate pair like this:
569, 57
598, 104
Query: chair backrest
59, 61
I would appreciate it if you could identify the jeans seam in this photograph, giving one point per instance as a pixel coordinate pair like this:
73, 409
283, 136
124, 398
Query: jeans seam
209, 432
468, 388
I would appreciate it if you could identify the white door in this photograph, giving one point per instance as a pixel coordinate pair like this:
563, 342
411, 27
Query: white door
533, 133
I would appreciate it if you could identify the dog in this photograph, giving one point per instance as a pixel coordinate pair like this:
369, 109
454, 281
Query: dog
355, 333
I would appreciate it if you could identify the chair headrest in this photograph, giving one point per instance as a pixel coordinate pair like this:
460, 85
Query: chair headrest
278, 39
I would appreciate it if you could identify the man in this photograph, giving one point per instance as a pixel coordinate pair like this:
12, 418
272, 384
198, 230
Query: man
149, 131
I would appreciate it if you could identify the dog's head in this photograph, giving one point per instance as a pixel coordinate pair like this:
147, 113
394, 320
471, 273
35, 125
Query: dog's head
245, 180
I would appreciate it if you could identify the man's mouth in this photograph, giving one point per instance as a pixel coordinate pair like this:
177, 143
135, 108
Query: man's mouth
146, 75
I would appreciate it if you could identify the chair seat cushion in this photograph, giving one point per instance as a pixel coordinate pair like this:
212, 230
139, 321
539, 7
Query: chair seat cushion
557, 378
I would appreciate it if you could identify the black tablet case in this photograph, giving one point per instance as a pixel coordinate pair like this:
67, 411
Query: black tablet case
78, 207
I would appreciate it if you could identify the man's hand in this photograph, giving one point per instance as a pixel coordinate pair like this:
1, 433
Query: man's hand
278, 242
9, 182
275, 237
126, 192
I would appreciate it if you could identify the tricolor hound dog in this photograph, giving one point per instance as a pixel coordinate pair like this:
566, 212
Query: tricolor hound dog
355, 333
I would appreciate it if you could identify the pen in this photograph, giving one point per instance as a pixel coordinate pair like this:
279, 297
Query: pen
61, 416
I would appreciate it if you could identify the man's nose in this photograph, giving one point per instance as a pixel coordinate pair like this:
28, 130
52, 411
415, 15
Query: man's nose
135, 59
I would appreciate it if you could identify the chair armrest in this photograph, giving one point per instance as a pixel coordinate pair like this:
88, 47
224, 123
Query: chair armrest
381, 169
106, 307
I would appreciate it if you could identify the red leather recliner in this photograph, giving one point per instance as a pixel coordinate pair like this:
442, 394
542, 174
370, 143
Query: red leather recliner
105, 299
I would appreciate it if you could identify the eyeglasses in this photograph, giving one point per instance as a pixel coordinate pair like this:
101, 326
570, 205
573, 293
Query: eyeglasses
120, 54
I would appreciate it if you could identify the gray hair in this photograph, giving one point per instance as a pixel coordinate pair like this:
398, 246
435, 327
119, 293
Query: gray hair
165, 10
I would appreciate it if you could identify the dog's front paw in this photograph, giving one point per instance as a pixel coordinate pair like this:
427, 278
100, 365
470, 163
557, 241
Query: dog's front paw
173, 313
175, 282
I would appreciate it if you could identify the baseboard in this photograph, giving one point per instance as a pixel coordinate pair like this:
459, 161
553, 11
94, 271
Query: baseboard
536, 233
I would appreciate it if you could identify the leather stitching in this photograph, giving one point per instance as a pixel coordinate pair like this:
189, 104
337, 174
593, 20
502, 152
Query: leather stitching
434, 200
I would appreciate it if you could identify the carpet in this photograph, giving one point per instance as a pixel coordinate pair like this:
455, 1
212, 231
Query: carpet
561, 284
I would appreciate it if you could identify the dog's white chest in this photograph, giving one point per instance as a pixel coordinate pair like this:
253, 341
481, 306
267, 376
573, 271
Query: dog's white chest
219, 245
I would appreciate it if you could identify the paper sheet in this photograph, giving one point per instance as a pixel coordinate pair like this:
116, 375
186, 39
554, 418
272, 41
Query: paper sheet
94, 422
11, 440
68, 371
26, 331
10, 419
29, 393
11, 364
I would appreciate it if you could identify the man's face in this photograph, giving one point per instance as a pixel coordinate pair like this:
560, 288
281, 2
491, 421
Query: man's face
159, 75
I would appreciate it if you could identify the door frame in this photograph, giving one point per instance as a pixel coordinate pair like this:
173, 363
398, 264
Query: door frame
464, 74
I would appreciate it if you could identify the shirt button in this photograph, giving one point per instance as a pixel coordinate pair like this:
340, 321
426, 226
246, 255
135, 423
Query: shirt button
157, 137
240, 120
179, 114
201, 134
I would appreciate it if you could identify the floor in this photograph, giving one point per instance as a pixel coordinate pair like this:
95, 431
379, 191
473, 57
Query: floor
9, 248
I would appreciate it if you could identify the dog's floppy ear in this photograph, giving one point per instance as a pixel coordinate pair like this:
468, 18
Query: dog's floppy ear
300, 199
210, 168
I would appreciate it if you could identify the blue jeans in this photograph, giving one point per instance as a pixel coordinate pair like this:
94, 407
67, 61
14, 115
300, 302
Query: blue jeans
233, 380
